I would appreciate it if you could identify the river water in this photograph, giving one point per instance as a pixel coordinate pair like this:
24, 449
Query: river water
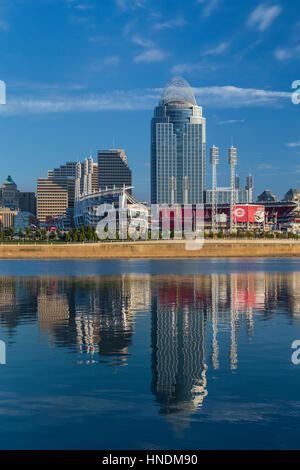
145, 354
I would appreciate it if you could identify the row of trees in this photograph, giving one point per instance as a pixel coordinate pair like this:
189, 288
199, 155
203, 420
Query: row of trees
250, 234
82, 235
88, 234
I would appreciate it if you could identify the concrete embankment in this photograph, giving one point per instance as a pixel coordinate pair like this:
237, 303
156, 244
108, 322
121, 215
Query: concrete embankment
154, 249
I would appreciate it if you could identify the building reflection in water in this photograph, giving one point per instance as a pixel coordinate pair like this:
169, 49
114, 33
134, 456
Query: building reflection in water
196, 321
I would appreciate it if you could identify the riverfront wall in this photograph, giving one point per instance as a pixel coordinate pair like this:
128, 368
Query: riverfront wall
153, 249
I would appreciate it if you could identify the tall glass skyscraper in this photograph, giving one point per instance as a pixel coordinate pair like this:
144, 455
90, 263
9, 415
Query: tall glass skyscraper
178, 147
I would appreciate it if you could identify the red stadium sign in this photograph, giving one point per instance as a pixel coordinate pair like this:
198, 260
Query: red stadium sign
249, 214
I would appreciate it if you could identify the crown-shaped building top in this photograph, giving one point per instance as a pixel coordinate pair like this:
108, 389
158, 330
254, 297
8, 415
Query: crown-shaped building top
176, 90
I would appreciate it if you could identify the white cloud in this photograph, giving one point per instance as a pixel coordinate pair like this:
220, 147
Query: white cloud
265, 166
141, 42
284, 54
141, 99
181, 69
209, 6
234, 97
232, 121
263, 16
130, 4
218, 50
293, 144
170, 24
150, 55
111, 61
83, 6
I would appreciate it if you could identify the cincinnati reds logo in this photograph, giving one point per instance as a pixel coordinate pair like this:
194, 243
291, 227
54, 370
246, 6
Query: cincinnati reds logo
239, 212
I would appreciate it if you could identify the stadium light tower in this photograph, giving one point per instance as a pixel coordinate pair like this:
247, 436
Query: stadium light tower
232, 161
214, 160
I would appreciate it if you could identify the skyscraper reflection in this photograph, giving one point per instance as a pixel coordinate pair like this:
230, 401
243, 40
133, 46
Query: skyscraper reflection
196, 322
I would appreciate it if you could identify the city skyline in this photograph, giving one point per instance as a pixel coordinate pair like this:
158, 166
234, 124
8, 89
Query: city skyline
241, 66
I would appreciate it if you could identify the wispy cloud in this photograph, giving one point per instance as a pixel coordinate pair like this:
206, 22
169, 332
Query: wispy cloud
293, 144
111, 61
150, 55
189, 69
142, 42
176, 23
291, 53
232, 121
263, 16
130, 4
234, 97
83, 6
266, 166
209, 6
218, 50
140, 99
82, 21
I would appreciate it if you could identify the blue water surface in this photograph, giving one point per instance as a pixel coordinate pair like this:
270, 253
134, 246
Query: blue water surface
141, 354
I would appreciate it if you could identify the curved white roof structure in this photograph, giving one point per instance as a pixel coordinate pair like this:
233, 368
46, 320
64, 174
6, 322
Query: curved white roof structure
178, 89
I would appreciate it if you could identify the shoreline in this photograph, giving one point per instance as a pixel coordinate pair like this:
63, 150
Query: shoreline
156, 249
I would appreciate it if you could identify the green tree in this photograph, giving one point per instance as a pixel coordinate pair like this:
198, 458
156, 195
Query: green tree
11, 232
28, 232
44, 233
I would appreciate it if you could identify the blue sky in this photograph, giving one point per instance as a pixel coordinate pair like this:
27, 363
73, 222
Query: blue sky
81, 75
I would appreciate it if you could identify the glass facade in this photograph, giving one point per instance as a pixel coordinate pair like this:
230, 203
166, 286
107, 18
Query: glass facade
224, 196
178, 147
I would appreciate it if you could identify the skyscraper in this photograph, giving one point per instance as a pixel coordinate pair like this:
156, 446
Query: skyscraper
56, 193
113, 170
178, 147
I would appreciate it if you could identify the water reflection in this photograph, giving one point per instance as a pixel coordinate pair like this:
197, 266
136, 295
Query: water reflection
196, 321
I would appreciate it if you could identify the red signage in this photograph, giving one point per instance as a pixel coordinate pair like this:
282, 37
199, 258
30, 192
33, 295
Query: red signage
249, 213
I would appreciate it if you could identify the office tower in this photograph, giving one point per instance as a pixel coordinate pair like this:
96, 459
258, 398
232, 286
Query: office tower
178, 147
95, 177
267, 196
27, 202
64, 171
223, 196
52, 198
64, 176
9, 194
14, 199
249, 187
113, 171
237, 182
56, 193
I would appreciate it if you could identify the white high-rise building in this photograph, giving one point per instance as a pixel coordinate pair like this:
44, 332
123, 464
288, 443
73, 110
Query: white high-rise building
178, 147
